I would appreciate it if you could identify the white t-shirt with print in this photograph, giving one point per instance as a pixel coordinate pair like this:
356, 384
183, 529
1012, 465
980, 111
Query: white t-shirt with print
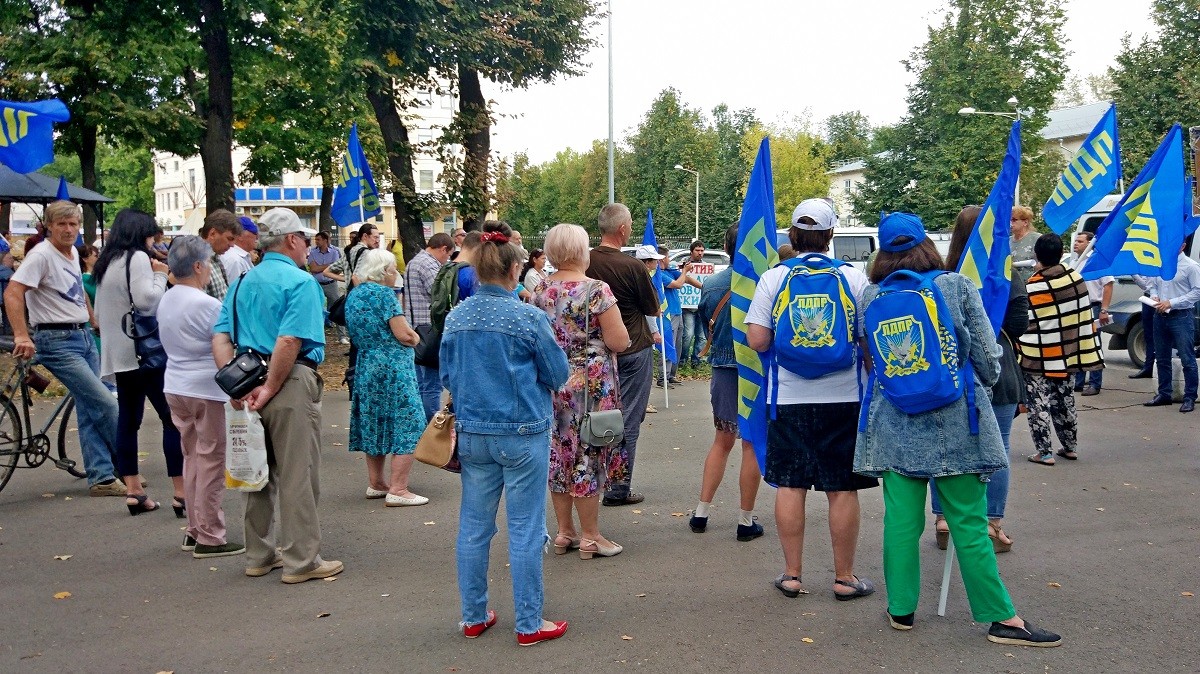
836, 387
55, 286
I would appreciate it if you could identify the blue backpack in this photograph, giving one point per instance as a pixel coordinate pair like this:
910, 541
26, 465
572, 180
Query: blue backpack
914, 348
814, 316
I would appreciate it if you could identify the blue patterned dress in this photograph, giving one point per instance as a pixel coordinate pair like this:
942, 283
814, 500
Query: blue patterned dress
386, 416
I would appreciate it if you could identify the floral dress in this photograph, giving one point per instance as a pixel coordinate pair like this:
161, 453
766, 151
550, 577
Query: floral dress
577, 469
386, 415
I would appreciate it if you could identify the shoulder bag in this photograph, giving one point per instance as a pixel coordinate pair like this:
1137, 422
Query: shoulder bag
602, 428
436, 446
143, 330
247, 370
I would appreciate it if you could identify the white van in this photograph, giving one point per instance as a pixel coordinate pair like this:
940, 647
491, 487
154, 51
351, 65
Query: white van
856, 244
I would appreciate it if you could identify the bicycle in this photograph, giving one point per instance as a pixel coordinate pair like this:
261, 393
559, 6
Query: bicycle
17, 439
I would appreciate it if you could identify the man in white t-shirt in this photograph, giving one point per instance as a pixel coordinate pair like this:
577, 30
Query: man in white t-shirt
1100, 295
814, 423
48, 284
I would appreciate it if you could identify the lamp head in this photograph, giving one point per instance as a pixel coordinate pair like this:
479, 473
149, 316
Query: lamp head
966, 111
679, 167
1012, 102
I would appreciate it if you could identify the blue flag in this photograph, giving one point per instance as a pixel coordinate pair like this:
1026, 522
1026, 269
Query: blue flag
660, 280
27, 133
755, 253
354, 197
987, 258
64, 194
1145, 231
1094, 172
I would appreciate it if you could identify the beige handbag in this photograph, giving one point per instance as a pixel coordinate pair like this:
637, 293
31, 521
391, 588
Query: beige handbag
436, 446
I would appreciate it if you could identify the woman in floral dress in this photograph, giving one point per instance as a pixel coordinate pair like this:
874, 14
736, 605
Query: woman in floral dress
579, 473
386, 415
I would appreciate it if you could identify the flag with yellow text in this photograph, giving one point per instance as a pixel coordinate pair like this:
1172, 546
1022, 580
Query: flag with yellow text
27, 133
354, 197
1094, 172
755, 253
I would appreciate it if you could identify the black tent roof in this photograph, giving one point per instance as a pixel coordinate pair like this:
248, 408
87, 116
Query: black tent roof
39, 188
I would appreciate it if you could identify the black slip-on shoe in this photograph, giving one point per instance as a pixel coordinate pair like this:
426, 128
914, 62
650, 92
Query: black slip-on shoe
1023, 636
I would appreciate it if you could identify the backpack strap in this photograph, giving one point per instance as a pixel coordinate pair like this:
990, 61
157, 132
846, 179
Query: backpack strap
712, 321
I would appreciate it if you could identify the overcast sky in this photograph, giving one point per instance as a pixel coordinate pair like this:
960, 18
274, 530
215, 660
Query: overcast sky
779, 57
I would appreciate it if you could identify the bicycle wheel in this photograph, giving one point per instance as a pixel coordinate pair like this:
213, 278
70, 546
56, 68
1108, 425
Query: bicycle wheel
67, 450
10, 440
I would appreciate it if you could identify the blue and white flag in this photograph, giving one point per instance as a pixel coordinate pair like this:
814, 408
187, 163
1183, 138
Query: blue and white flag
354, 197
659, 281
27, 133
1094, 172
755, 253
987, 258
1145, 231
64, 194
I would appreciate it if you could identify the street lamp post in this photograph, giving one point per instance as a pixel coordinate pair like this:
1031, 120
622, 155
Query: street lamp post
611, 184
679, 167
1015, 104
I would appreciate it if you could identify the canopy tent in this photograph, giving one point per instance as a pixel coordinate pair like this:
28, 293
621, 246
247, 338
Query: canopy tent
39, 188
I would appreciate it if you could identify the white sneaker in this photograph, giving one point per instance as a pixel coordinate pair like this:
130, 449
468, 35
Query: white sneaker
394, 501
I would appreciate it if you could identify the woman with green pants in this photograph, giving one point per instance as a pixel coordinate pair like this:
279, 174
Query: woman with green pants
906, 450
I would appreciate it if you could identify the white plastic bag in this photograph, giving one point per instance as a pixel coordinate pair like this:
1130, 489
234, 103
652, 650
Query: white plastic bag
245, 450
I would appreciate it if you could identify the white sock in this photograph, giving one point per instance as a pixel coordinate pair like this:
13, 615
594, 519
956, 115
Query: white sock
746, 518
702, 509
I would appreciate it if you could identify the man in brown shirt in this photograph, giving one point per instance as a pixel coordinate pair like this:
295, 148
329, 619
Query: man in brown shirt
636, 299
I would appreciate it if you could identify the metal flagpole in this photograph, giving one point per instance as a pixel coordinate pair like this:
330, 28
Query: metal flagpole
946, 577
666, 384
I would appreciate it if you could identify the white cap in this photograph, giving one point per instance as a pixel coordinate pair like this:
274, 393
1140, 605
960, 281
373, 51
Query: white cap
280, 221
647, 253
819, 210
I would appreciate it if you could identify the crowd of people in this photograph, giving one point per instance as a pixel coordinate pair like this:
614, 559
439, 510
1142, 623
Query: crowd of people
525, 357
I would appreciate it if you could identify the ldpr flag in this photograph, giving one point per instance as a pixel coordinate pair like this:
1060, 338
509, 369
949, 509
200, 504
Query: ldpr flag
755, 253
659, 280
64, 194
354, 197
987, 257
1093, 173
27, 133
1145, 231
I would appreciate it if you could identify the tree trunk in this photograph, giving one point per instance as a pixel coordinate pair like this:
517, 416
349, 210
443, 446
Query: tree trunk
87, 167
5, 213
325, 214
476, 127
216, 148
381, 94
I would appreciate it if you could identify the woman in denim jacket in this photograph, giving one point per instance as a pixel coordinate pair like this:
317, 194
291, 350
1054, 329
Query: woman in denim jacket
907, 450
492, 348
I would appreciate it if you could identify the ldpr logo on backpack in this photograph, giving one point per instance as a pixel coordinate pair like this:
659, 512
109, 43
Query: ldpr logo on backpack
812, 321
900, 342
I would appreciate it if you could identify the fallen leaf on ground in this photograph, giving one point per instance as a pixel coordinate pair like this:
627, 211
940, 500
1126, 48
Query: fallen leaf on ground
1009, 655
626, 637
47, 495
676, 448
644, 594
385, 595
337, 444
322, 614
637, 512
167, 671
1187, 594
430, 523
635, 521
1054, 584
62, 595
806, 640
330, 579
677, 514
63, 558
66, 498
812, 614
212, 568
1099, 510
143, 453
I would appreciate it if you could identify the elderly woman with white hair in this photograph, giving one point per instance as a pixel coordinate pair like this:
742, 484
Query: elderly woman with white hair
386, 415
186, 315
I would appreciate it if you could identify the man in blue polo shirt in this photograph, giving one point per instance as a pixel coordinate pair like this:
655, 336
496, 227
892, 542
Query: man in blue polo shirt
279, 316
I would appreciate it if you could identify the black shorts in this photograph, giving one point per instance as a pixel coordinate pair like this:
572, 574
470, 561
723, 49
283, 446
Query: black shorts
811, 446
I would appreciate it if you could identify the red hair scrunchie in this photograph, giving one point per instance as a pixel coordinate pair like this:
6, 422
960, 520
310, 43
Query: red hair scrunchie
494, 237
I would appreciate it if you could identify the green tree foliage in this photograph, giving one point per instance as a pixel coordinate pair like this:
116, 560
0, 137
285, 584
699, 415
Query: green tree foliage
848, 135
572, 187
799, 164
1157, 81
123, 173
982, 53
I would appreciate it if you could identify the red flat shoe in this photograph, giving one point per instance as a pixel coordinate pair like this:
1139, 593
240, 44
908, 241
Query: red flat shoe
472, 631
560, 628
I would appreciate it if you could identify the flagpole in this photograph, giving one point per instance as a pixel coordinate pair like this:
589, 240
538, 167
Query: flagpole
665, 380
949, 568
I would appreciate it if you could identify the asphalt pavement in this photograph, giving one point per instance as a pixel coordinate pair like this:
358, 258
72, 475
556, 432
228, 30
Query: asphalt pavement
1106, 554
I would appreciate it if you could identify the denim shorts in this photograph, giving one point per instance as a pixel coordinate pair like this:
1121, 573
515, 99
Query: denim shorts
811, 446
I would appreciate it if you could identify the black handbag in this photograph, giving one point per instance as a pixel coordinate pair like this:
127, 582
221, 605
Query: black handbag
143, 330
425, 353
247, 370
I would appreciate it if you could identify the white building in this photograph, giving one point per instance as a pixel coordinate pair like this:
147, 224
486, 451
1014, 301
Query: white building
179, 181
1065, 130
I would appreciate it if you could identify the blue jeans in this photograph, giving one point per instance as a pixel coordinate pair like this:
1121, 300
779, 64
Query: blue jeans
517, 466
71, 357
694, 336
1175, 330
997, 486
1093, 378
429, 385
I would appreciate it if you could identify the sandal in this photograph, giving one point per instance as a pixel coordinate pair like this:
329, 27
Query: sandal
996, 533
1044, 459
1068, 454
942, 535
561, 548
787, 591
140, 506
862, 587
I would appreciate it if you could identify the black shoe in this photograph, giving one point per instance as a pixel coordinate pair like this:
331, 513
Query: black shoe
628, 499
903, 622
1187, 406
1158, 401
1078, 388
203, 551
1090, 391
698, 524
1027, 636
189, 543
673, 380
1146, 373
749, 533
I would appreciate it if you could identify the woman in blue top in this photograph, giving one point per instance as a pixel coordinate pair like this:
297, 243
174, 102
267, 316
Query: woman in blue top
906, 450
501, 363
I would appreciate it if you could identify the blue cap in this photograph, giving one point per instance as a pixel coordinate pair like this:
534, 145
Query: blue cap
898, 225
248, 224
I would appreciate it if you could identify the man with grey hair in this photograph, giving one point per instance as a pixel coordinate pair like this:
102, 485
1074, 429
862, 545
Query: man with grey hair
279, 316
221, 228
636, 299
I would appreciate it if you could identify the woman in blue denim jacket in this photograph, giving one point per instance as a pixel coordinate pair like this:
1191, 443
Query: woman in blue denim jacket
492, 348
906, 450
